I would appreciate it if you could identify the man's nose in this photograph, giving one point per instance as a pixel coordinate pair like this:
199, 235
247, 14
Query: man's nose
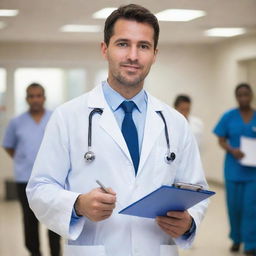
133, 53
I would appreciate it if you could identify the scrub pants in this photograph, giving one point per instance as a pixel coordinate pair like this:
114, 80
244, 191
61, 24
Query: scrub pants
31, 227
241, 204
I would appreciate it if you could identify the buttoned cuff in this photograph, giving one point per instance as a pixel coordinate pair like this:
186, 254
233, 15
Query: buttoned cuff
191, 230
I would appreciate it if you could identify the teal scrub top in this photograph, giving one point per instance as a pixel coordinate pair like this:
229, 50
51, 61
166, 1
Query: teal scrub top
232, 127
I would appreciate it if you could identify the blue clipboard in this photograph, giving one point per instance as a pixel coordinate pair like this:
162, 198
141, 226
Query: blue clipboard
164, 199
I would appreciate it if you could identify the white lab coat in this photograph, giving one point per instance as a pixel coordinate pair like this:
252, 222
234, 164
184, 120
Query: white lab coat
60, 174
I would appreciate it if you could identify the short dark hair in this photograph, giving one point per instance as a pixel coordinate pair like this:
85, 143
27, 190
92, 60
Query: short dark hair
131, 12
243, 85
35, 85
181, 98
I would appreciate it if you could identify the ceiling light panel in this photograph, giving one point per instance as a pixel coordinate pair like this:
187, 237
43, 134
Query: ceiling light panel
225, 32
80, 28
179, 15
8, 12
103, 13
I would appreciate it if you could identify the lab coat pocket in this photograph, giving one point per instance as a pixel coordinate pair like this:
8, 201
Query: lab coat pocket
169, 250
78, 250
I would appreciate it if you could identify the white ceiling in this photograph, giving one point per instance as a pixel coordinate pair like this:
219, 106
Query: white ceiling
40, 20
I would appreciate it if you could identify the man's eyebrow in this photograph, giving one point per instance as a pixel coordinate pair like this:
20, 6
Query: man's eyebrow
122, 40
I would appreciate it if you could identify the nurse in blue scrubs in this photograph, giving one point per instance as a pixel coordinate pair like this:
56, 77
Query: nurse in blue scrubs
240, 180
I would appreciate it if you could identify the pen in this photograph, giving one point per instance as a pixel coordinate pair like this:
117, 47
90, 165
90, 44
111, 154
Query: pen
106, 191
102, 186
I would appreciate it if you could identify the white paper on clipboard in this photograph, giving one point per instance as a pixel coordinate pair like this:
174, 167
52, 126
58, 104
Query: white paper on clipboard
248, 147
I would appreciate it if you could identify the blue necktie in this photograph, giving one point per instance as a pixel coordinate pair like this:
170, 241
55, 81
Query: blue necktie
130, 133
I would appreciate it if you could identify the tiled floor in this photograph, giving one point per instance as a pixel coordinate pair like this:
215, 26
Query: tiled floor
211, 240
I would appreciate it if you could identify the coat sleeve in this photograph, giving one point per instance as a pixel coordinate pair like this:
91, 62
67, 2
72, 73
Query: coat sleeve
190, 171
48, 197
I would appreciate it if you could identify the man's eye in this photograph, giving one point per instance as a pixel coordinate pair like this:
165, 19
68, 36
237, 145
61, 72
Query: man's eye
144, 46
122, 44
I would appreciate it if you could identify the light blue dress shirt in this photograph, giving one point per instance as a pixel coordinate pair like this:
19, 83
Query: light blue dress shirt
24, 135
114, 99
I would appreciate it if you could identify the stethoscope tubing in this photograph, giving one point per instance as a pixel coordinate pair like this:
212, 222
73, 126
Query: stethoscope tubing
94, 111
90, 156
165, 129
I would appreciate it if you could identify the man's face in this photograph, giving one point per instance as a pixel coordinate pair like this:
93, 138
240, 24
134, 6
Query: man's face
244, 97
130, 53
35, 99
184, 108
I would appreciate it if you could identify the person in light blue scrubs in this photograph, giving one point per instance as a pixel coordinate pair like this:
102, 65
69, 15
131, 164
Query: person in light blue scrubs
22, 140
240, 180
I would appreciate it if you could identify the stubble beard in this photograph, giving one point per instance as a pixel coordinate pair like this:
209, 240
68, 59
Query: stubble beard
129, 82
133, 82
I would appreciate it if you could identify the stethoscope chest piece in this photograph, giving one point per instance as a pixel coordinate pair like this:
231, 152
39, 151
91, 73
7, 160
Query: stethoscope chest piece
89, 156
170, 157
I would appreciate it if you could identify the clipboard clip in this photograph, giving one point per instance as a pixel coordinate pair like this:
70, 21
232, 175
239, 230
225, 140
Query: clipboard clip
195, 187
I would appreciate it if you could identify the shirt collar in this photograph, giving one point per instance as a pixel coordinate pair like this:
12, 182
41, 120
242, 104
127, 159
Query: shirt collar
114, 99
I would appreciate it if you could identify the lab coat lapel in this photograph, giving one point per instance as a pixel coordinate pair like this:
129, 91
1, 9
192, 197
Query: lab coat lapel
153, 127
109, 124
107, 120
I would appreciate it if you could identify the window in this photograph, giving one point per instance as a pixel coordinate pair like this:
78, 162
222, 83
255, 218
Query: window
75, 83
101, 75
2, 86
60, 85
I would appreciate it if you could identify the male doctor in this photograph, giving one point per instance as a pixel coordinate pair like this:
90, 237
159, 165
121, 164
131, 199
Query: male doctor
129, 142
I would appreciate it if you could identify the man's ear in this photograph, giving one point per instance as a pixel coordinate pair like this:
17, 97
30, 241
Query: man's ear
104, 49
156, 52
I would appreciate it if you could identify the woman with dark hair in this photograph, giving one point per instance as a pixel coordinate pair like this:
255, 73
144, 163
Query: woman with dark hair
240, 180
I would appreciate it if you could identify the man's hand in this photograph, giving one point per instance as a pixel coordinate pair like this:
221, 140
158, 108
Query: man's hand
10, 151
237, 153
96, 205
175, 223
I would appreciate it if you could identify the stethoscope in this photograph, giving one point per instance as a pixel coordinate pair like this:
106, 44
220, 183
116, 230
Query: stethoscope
89, 156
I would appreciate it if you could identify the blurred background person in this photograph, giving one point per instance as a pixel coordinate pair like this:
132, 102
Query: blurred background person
240, 180
22, 140
2, 119
183, 104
